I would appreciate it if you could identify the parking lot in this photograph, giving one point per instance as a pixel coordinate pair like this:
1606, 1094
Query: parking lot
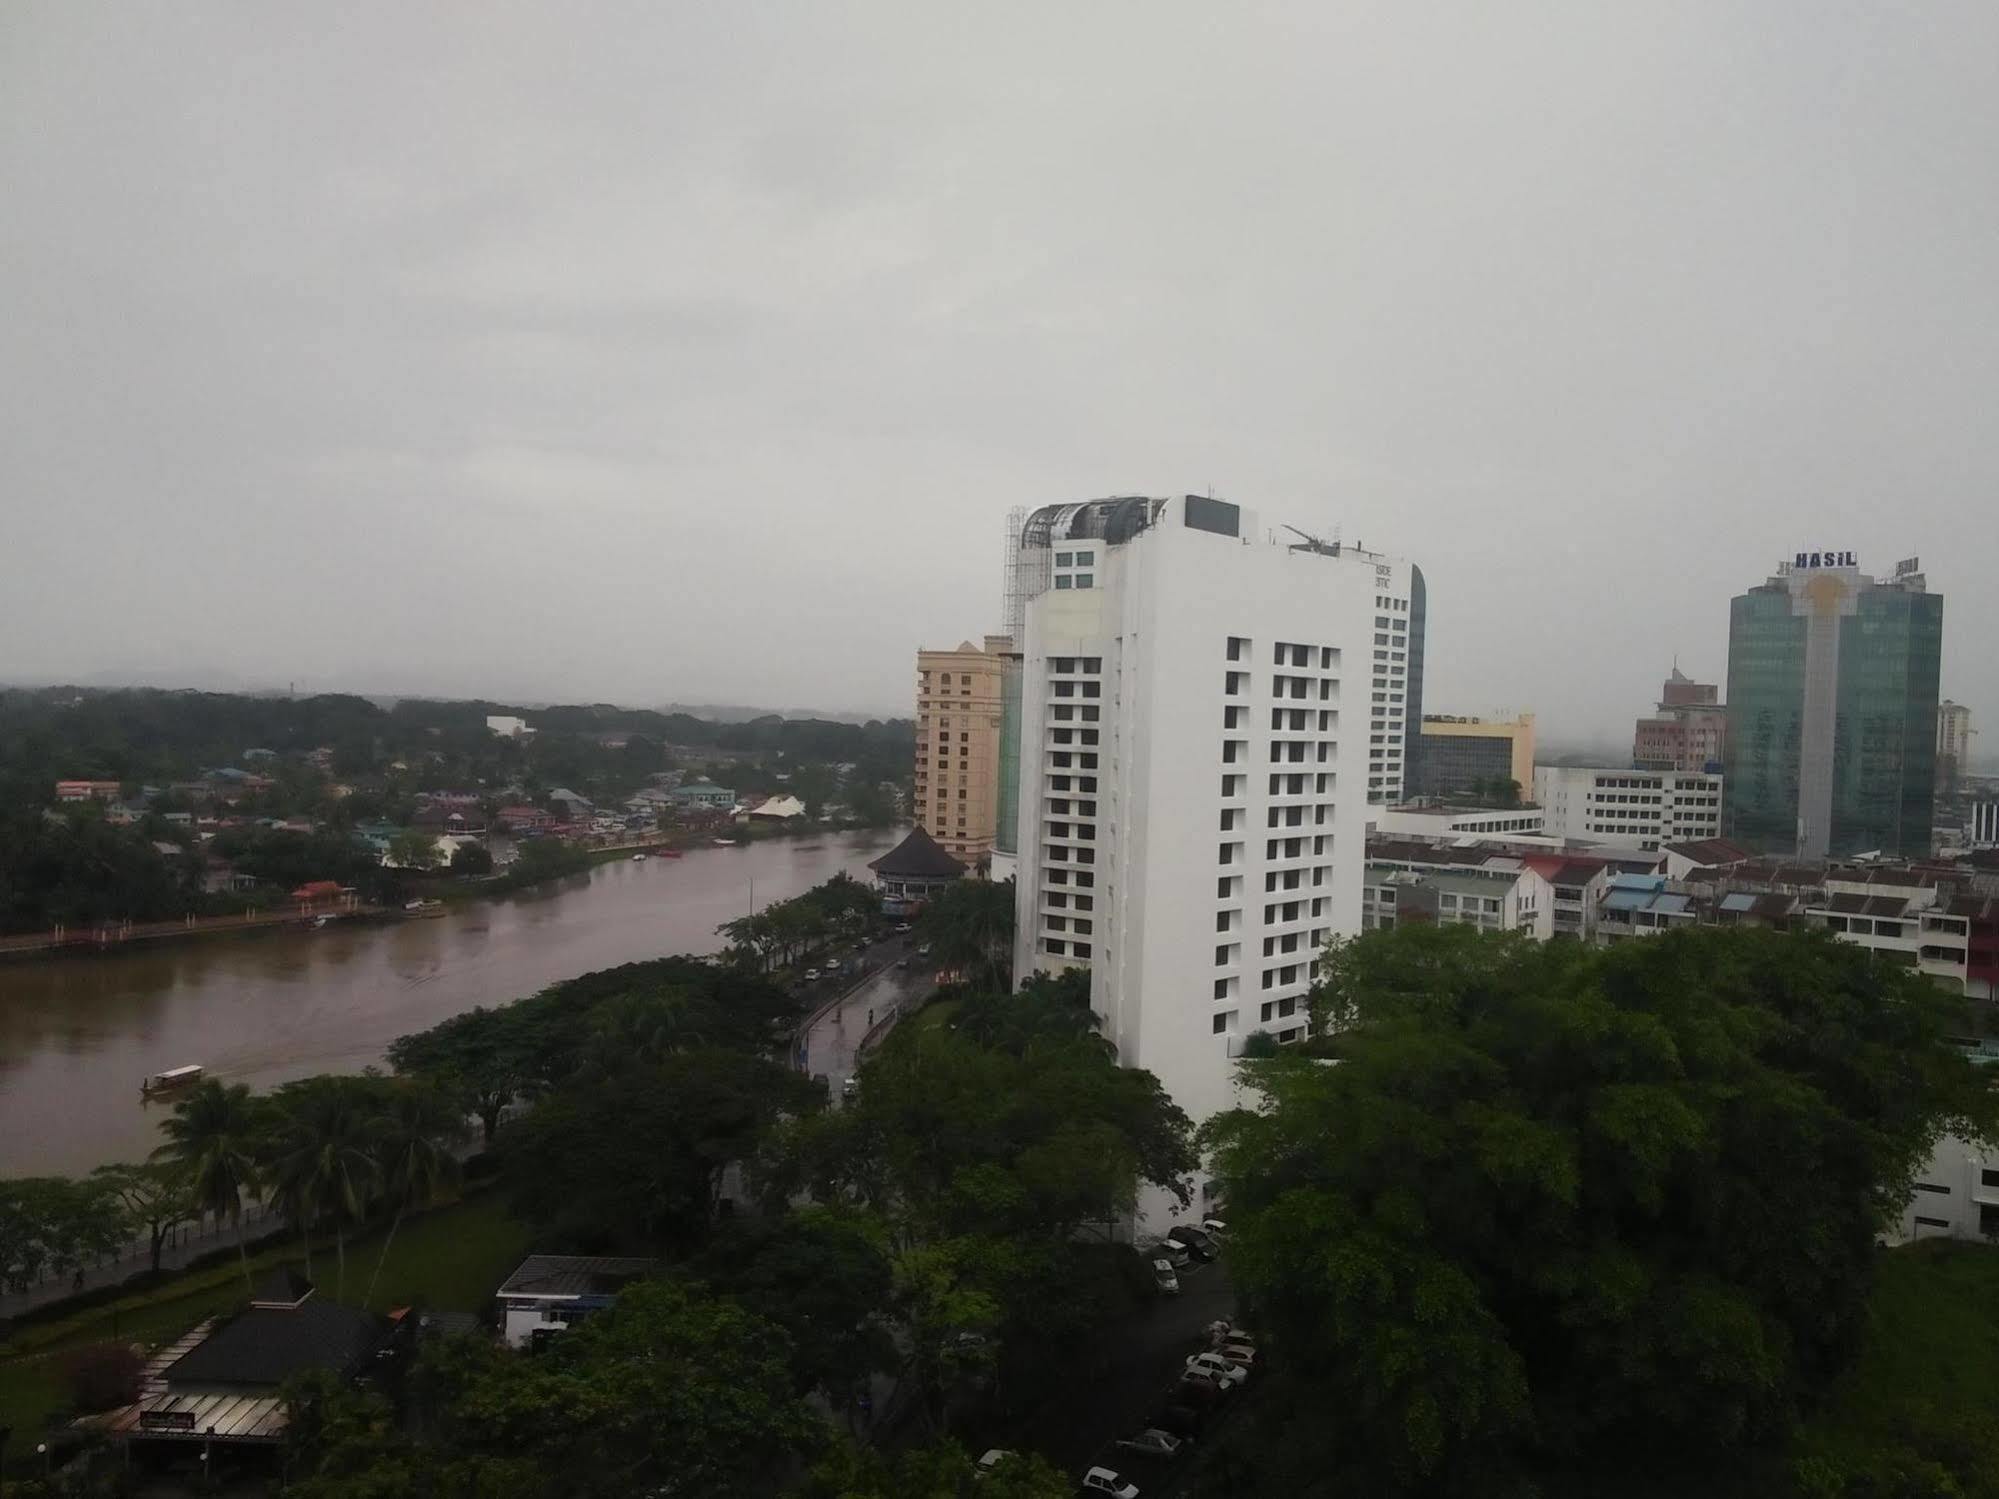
1082, 1429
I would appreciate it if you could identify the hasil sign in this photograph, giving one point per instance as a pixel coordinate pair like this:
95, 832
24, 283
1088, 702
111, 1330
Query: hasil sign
1824, 559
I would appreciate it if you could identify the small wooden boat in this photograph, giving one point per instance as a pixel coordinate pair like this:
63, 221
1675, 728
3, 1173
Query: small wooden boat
420, 908
173, 1077
638, 858
668, 853
725, 843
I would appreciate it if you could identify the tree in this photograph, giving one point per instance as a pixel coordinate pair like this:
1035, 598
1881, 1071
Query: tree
821, 1274
664, 1392
51, 1225
471, 860
155, 1197
320, 1156
969, 926
414, 1159
413, 848
850, 1471
1568, 1207
634, 1160
484, 1056
871, 805
213, 1138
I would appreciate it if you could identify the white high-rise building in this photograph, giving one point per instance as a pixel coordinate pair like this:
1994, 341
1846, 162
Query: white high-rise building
1644, 808
1203, 708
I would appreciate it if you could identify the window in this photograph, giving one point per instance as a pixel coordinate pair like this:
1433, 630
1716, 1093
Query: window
1932, 1187
1084, 580
1224, 1022
1923, 1222
1065, 559
1062, 580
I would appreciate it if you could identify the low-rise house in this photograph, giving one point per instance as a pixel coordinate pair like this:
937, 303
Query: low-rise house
779, 809
220, 1384
507, 726
703, 794
569, 807
525, 819
550, 1292
86, 791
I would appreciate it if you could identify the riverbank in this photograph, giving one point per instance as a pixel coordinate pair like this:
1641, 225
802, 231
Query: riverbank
76, 1037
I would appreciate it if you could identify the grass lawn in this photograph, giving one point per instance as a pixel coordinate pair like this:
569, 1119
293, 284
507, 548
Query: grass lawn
936, 1015
449, 1259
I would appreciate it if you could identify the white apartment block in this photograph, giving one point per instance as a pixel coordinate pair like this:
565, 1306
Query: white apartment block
1957, 1194
1643, 808
1196, 699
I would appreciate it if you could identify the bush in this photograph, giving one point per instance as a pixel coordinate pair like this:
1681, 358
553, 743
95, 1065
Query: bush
100, 1376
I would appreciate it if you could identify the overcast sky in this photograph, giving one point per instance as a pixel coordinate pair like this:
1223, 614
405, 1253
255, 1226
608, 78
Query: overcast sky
677, 351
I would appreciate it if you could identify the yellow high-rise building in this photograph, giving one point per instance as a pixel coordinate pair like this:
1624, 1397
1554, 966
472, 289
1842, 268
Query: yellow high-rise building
958, 746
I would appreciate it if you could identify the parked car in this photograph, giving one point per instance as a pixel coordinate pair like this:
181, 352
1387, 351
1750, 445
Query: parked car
811, 975
1108, 1481
820, 1080
901, 927
1215, 1228
1152, 1442
1164, 1278
1218, 1368
993, 1457
1216, 1385
1223, 1331
1198, 1391
850, 1087
1172, 1251
1181, 1418
1196, 1243
1242, 1354
923, 949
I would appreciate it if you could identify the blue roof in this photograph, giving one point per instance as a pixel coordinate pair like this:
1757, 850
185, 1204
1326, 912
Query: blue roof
1637, 882
1627, 900
1739, 900
1673, 905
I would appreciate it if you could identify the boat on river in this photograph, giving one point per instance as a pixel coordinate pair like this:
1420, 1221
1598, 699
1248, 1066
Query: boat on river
418, 908
172, 1078
638, 858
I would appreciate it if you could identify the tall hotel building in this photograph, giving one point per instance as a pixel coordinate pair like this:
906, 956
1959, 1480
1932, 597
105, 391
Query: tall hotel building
1832, 710
1206, 712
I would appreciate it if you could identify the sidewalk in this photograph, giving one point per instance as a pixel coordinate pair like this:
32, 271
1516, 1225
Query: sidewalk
185, 1244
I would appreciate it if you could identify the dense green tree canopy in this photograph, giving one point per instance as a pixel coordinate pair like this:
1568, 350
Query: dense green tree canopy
1557, 1206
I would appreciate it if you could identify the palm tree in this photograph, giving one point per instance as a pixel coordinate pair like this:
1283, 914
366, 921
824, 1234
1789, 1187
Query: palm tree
213, 1137
969, 926
414, 1157
322, 1160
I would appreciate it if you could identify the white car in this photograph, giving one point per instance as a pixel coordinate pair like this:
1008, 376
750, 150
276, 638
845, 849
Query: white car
1164, 1278
1106, 1481
1152, 1442
1217, 1368
1215, 1228
1244, 1355
811, 975
993, 1457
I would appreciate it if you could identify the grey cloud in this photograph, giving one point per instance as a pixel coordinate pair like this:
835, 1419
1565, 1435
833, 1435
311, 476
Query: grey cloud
697, 352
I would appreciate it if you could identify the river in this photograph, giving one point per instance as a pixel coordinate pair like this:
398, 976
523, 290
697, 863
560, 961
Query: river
78, 1033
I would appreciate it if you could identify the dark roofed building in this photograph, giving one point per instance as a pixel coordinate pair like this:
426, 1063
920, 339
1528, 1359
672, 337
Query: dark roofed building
552, 1291
268, 1343
220, 1381
913, 871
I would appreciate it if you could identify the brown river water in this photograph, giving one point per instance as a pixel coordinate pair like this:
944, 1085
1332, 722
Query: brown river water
79, 1033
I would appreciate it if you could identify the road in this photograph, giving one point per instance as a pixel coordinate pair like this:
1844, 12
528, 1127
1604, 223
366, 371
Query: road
833, 1040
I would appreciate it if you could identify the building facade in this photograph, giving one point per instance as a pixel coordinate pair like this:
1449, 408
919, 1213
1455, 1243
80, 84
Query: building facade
1954, 733
1457, 756
1646, 808
958, 731
1194, 778
1832, 693
1687, 732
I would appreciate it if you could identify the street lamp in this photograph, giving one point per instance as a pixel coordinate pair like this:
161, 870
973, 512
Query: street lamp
43, 1449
